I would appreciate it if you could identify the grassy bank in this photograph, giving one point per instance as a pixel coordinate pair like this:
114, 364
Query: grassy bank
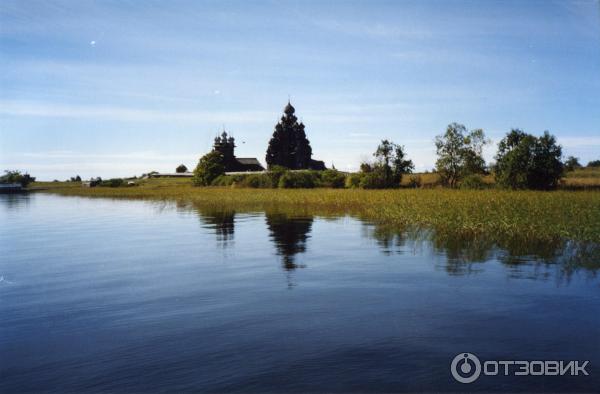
495, 213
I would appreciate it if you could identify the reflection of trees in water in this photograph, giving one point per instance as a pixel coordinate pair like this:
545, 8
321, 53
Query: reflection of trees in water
390, 241
12, 201
289, 234
222, 222
524, 258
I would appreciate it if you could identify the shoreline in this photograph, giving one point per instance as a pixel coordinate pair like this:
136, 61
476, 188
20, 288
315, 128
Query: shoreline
499, 214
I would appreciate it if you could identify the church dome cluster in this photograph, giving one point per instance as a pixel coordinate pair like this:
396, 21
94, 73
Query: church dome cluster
225, 144
289, 147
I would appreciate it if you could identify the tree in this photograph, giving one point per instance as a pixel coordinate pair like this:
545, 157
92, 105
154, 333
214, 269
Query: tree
181, 169
401, 165
289, 146
526, 161
389, 167
208, 169
459, 153
16, 177
75, 179
572, 163
383, 155
594, 163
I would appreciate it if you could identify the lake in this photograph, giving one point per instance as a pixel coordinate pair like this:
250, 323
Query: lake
139, 296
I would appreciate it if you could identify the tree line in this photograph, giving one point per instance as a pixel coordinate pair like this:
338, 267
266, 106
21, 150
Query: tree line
522, 161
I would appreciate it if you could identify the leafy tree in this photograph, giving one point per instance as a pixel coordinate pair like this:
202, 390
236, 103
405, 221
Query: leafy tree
383, 156
594, 163
526, 161
401, 165
459, 153
208, 169
391, 164
572, 163
366, 167
16, 177
387, 170
473, 153
75, 179
181, 169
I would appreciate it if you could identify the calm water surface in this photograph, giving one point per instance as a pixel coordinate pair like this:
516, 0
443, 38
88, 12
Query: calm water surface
130, 296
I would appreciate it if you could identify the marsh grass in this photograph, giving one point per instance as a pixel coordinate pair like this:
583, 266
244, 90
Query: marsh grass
582, 179
499, 214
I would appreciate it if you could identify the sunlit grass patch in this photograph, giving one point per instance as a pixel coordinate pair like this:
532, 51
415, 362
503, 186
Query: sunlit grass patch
500, 213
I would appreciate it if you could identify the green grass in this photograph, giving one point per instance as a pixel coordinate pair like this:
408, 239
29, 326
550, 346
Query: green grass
497, 214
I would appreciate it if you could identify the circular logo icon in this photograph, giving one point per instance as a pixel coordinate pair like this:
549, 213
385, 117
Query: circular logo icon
465, 368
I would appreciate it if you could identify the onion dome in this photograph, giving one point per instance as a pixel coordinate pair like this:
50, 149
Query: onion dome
289, 109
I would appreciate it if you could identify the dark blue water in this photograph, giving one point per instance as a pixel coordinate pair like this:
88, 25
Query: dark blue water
132, 296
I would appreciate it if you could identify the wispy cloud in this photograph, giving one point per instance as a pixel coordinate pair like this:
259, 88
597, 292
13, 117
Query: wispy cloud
26, 108
371, 29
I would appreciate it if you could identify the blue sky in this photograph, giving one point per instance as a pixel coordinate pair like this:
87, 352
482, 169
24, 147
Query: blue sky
116, 88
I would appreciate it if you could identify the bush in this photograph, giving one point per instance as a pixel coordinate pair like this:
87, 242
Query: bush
17, 177
415, 181
209, 168
333, 178
473, 182
374, 180
224, 180
298, 179
353, 180
260, 181
114, 182
181, 169
275, 173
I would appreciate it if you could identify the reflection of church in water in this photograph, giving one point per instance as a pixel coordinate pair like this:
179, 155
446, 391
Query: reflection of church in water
289, 235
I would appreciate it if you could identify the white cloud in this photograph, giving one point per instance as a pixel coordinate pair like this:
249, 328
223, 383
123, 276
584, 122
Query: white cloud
40, 109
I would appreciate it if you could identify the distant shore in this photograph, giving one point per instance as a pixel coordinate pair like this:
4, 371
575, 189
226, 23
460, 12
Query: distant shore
492, 213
